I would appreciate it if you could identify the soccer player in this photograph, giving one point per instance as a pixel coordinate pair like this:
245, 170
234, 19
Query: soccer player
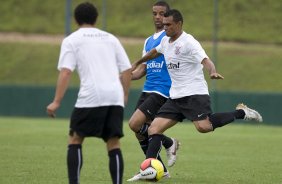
189, 96
155, 91
105, 74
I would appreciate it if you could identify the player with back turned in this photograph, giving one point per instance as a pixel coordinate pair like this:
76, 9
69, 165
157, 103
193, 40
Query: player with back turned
105, 73
155, 91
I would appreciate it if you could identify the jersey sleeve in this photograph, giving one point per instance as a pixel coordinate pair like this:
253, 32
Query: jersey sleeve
67, 56
160, 47
197, 51
144, 52
121, 56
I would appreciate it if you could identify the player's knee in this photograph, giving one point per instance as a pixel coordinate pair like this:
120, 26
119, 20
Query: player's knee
153, 130
133, 125
74, 138
202, 128
113, 143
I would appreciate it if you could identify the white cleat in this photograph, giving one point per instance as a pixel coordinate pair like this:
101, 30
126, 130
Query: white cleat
166, 175
250, 114
138, 177
171, 153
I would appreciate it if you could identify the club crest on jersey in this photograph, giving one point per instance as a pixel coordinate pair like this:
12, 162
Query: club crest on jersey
177, 50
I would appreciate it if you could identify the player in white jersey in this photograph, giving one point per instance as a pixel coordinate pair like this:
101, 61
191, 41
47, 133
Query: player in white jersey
155, 92
105, 73
189, 96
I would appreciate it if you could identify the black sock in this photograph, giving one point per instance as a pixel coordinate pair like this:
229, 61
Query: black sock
74, 162
167, 142
155, 145
221, 119
144, 130
144, 145
239, 114
116, 165
160, 159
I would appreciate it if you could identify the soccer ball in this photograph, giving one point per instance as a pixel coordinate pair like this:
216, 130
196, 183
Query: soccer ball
152, 169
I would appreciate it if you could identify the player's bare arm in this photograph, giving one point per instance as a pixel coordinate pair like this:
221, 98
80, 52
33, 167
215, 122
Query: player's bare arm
209, 66
125, 78
62, 85
139, 72
150, 55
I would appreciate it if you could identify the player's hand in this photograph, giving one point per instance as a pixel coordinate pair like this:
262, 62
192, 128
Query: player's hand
133, 67
51, 109
216, 76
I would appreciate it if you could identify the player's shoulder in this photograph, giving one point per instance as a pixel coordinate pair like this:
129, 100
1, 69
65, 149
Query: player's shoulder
157, 35
148, 38
110, 37
165, 39
74, 36
92, 33
189, 37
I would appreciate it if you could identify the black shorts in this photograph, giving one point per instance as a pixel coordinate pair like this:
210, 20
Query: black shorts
195, 107
150, 103
102, 122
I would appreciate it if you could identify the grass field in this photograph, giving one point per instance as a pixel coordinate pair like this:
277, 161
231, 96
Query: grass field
33, 151
254, 65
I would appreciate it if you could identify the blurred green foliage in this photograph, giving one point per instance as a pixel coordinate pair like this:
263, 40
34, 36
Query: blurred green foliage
246, 67
240, 20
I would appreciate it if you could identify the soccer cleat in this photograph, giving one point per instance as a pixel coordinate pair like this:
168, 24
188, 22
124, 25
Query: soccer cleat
138, 176
250, 114
171, 153
166, 175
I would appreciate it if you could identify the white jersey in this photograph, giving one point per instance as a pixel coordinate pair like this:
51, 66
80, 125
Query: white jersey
183, 60
99, 58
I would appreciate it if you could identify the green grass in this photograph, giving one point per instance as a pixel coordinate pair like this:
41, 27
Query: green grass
33, 151
246, 67
240, 20
23, 62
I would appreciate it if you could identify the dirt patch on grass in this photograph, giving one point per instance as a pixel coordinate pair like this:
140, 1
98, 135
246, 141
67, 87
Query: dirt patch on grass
51, 39
16, 37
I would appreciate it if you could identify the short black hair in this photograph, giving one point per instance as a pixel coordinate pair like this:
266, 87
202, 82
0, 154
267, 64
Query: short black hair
162, 3
85, 13
176, 15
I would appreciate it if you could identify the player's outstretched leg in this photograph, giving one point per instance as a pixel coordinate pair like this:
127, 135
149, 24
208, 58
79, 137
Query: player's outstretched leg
221, 119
